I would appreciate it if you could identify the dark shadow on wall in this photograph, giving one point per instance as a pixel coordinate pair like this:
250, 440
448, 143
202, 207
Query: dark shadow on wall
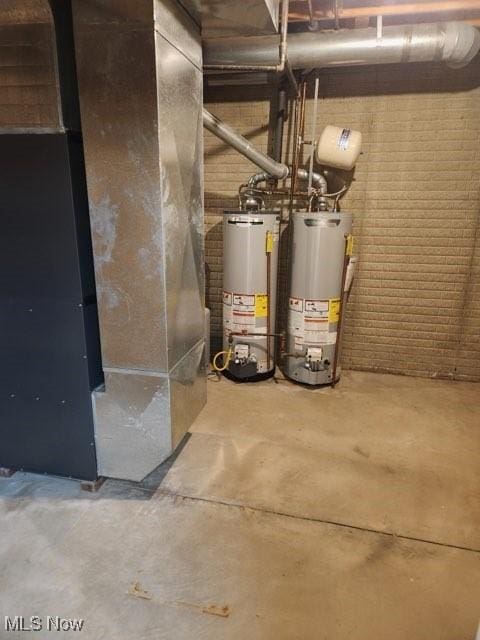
213, 236
362, 81
213, 276
396, 79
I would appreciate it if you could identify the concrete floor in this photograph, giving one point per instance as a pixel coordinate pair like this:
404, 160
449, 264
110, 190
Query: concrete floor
289, 514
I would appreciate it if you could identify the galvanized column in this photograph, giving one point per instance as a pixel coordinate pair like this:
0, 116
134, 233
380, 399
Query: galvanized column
139, 67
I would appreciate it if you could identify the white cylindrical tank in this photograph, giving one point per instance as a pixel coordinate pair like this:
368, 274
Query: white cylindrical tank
315, 303
339, 147
250, 262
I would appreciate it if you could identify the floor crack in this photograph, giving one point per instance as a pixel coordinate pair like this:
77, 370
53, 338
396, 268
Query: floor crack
344, 525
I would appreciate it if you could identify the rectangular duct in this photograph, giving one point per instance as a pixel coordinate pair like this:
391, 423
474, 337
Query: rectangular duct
140, 80
230, 18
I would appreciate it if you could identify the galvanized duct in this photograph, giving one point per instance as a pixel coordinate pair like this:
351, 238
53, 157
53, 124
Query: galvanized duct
455, 43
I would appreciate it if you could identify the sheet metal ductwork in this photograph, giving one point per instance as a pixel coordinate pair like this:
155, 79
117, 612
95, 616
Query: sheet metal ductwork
455, 43
140, 80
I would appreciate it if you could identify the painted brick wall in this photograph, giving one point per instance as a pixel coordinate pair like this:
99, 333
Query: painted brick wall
415, 306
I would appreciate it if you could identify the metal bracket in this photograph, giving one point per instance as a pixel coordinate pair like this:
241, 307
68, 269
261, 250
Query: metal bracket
379, 27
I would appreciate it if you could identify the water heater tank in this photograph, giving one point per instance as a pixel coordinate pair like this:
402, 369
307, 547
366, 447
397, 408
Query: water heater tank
250, 256
319, 265
339, 147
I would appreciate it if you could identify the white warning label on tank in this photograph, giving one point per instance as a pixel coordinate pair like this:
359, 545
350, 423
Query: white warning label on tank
227, 318
316, 308
316, 321
309, 322
227, 298
295, 323
243, 300
296, 304
243, 311
316, 330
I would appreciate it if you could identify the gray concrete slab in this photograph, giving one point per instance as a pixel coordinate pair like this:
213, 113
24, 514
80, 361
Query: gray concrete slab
380, 452
142, 561
270, 577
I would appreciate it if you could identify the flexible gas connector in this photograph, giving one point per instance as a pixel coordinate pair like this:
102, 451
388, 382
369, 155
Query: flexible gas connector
228, 356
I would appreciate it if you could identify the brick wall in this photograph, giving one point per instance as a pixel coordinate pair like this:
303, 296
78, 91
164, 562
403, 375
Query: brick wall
28, 96
415, 306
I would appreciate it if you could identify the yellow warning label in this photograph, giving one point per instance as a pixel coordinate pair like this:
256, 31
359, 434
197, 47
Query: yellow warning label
269, 244
261, 305
349, 250
333, 310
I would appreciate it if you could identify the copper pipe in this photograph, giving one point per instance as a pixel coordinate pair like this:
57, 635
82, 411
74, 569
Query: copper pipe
389, 10
269, 287
310, 11
299, 135
299, 120
302, 111
346, 260
251, 333
294, 150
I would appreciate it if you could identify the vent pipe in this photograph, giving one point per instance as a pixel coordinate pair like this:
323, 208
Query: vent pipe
455, 43
243, 146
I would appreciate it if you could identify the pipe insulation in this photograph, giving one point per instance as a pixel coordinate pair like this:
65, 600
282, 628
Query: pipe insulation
455, 43
243, 146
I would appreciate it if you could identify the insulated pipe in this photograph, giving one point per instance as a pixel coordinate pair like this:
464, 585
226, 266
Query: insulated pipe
243, 146
455, 43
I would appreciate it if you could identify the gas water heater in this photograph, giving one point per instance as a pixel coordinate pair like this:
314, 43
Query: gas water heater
321, 254
320, 267
250, 245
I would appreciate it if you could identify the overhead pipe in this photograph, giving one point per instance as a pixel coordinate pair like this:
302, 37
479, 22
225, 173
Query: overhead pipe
373, 10
455, 43
271, 168
242, 145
